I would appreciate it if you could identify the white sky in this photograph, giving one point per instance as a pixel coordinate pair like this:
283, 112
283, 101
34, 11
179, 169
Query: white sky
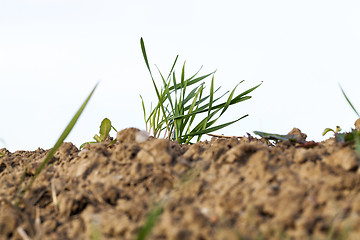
52, 53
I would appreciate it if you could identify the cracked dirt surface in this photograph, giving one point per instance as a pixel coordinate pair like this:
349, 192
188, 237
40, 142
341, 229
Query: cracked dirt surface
236, 188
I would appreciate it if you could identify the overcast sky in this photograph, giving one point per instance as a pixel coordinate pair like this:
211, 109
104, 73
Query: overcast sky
52, 53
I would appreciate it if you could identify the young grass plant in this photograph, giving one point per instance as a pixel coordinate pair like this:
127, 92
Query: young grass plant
176, 110
61, 139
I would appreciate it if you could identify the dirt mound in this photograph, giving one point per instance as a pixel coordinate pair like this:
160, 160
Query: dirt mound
235, 188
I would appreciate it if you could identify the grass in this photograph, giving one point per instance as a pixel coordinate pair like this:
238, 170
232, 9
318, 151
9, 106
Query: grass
58, 143
181, 100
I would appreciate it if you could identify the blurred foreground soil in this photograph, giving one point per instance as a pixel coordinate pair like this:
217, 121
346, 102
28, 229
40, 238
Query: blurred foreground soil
226, 188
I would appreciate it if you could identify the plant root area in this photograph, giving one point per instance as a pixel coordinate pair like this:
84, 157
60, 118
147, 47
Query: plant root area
225, 188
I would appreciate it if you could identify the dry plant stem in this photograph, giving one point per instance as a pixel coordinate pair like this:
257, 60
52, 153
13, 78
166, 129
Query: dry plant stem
37, 224
22, 233
222, 136
53, 194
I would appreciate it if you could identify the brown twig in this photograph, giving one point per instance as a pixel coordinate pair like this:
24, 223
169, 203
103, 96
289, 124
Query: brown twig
222, 136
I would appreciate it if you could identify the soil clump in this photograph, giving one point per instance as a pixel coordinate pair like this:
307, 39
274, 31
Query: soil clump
225, 188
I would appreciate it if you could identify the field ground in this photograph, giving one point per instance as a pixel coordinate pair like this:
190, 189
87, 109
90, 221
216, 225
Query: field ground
226, 188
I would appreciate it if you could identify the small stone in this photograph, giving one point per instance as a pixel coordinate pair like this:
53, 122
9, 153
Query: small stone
298, 134
141, 136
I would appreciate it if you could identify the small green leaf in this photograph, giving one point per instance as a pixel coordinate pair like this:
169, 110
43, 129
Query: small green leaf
105, 128
326, 130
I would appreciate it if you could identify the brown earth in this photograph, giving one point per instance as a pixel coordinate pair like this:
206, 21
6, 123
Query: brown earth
235, 188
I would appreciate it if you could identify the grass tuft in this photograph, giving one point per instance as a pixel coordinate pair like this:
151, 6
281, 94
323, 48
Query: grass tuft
181, 100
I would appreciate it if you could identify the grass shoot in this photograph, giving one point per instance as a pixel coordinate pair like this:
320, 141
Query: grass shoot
181, 100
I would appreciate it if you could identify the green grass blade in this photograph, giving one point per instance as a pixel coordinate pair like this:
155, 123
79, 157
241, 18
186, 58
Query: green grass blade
192, 106
249, 90
183, 82
173, 66
114, 128
211, 95
213, 129
233, 101
189, 79
203, 124
83, 145
205, 107
144, 54
229, 100
61, 139
191, 82
348, 100
191, 95
205, 120
166, 93
144, 111
150, 223
160, 97
219, 106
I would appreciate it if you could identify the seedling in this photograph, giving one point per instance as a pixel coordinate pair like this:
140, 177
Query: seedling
105, 128
176, 110
58, 143
347, 137
336, 131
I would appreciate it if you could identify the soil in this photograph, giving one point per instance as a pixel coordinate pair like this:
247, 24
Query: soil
226, 188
